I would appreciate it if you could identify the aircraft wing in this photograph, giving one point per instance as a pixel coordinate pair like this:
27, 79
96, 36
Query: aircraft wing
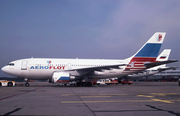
99, 68
152, 64
166, 68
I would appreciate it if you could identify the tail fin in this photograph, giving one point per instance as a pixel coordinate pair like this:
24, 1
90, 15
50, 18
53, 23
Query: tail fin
147, 53
162, 57
152, 46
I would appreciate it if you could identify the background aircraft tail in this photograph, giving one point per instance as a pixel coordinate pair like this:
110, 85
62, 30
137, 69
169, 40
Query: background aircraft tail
162, 57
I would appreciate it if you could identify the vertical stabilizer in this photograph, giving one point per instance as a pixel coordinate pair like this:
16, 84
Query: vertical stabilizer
162, 57
147, 53
152, 46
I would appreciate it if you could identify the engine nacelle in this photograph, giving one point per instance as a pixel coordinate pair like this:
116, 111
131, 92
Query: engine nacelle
61, 77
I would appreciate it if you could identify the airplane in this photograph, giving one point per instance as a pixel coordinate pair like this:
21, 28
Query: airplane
66, 70
151, 71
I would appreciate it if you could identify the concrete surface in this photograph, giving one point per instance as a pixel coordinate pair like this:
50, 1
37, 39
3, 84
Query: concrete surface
140, 98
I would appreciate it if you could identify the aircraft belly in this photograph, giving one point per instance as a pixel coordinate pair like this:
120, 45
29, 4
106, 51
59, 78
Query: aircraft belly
39, 74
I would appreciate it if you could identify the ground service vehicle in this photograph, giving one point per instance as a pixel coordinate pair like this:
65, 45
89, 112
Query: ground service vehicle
126, 82
7, 83
107, 81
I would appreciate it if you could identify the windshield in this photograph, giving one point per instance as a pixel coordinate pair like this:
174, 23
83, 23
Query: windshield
11, 64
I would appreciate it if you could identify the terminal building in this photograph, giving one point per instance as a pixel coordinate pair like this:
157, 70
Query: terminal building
168, 75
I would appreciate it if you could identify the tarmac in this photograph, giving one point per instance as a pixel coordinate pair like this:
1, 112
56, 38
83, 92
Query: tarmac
138, 99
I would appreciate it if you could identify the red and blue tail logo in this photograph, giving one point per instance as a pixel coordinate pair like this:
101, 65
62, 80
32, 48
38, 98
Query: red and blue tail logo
159, 37
148, 53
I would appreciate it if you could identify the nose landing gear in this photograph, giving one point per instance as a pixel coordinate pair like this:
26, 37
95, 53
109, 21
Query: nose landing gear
26, 84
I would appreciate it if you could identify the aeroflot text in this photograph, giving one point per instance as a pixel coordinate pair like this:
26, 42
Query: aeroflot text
47, 67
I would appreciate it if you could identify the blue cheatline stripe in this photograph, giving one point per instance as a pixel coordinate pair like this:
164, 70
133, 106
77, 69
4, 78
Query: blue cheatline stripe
149, 50
64, 78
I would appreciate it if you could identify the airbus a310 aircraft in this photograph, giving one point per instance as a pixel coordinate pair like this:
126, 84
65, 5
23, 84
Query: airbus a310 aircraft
66, 70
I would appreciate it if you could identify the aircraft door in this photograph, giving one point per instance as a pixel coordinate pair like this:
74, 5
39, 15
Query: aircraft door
24, 65
69, 66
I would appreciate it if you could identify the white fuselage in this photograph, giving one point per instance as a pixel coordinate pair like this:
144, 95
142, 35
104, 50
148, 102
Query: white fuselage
42, 68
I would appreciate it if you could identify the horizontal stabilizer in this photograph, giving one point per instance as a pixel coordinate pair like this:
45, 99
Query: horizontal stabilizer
166, 68
140, 75
152, 64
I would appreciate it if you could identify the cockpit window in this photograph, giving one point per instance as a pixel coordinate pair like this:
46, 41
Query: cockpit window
11, 64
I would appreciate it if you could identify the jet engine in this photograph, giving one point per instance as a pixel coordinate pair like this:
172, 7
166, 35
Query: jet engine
61, 77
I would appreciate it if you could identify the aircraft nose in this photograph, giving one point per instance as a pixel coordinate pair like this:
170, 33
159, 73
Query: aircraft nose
8, 70
3, 69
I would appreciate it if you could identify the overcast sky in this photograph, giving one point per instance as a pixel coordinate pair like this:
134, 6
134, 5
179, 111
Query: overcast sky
93, 29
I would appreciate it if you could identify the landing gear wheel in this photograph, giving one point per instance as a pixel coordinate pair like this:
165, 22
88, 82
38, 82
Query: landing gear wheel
83, 84
27, 84
78, 84
89, 84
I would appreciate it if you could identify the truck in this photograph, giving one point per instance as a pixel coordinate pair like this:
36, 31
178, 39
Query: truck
7, 83
107, 81
126, 81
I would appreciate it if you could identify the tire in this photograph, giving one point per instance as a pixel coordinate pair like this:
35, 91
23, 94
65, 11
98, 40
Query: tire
27, 84
10, 84
0, 84
84, 84
89, 84
78, 84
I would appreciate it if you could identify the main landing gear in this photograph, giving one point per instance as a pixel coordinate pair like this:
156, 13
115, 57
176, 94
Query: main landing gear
84, 84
